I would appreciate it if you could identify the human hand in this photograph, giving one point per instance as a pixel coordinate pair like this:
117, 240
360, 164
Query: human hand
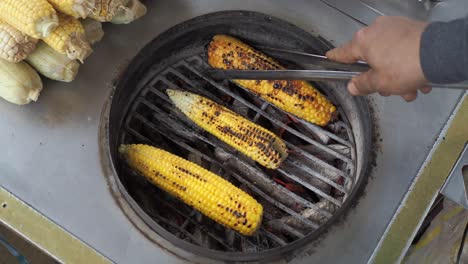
391, 47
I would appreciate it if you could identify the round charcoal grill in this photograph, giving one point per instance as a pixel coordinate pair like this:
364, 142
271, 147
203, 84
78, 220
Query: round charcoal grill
314, 186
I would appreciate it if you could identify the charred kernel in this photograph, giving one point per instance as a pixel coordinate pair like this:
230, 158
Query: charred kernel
231, 128
283, 98
146, 159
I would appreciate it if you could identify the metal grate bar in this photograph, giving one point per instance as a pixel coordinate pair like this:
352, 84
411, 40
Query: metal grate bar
183, 231
263, 108
318, 129
188, 218
202, 138
272, 119
202, 228
283, 226
310, 187
312, 172
316, 175
277, 204
269, 117
238, 177
312, 127
292, 131
272, 237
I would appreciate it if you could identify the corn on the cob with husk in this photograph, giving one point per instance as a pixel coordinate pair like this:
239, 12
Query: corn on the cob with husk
93, 30
105, 10
52, 64
299, 98
19, 83
69, 38
240, 133
130, 12
74, 8
207, 192
14, 44
36, 18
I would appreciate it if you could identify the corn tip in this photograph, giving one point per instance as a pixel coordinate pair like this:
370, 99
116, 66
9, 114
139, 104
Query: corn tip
123, 149
171, 92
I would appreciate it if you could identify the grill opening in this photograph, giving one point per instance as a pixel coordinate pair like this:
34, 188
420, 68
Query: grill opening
316, 184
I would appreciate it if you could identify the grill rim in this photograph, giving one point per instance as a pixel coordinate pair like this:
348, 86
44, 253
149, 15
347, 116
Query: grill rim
135, 70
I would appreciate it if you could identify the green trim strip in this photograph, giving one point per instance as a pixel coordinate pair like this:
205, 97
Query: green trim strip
43, 233
424, 189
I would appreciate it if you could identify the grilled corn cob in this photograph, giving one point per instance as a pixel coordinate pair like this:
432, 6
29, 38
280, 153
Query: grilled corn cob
296, 97
207, 192
19, 83
69, 38
252, 140
132, 11
53, 65
105, 10
14, 45
36, 18
74, 8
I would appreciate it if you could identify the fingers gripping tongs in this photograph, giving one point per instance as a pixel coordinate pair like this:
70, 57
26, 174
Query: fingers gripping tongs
336, 71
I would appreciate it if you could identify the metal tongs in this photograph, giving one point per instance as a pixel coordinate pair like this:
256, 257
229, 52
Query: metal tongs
338, 71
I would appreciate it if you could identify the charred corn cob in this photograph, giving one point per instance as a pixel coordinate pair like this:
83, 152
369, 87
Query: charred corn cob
74, 8
69, 38
296, 97
132, 11
252, 140
19, 83
207, 192
14, 45
36, 18
53, 65
105, 10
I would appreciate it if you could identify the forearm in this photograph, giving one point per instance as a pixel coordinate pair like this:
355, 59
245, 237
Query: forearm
444, 51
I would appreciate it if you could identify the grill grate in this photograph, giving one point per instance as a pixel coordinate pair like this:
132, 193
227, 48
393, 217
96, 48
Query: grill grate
299, 197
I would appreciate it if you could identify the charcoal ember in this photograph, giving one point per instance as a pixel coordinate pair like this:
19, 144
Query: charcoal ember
222, 155
311, 214
201, 236
240, 108
248, 246
325, 156
331, 174
229, 236
193, 157
279, 115
312, 131
262, 181
301, 173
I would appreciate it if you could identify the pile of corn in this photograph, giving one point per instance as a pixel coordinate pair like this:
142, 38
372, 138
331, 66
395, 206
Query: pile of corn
53, 38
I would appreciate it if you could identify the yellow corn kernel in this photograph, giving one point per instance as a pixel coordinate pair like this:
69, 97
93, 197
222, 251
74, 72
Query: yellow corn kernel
299, 98
207, 192
19, 83
74, 8
105, 10
15, 45
36, 18
240, 133
69, 38
53, 65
